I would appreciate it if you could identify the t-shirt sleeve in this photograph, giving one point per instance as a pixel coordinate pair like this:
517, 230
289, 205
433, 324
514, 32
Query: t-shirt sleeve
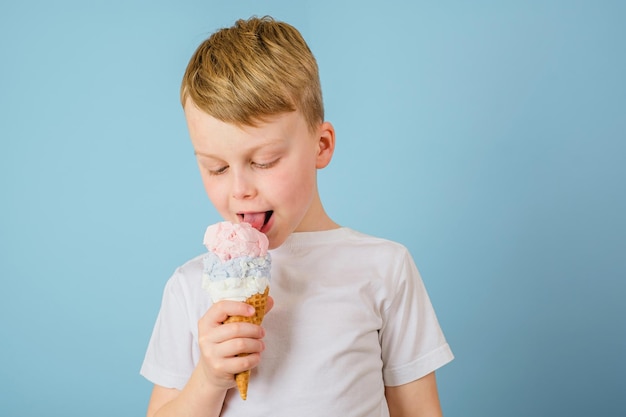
168, 361
412, 342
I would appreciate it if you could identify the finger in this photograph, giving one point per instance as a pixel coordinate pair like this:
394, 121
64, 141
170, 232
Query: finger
221, 310
236, 364
218, 356
236, 347
229, 331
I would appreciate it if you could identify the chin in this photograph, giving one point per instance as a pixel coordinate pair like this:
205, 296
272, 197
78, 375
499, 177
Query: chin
275, 242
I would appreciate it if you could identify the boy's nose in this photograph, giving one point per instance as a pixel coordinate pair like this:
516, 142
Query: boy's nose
242, 187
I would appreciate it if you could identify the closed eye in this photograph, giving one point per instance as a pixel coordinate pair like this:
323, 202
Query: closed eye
265, 165
218, 171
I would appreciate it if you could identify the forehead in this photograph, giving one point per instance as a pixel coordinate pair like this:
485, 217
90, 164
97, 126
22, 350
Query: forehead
206, 128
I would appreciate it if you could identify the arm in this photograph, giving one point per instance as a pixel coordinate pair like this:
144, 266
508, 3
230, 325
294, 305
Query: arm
415, 399
204, 393
196, 399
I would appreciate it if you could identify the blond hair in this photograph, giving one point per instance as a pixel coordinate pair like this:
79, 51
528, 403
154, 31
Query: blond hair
257, 68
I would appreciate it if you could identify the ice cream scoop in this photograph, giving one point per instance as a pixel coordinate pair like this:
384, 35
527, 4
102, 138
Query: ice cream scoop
232, 240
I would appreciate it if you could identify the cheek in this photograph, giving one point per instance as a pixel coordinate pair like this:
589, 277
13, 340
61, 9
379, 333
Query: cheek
215, 192
295, 186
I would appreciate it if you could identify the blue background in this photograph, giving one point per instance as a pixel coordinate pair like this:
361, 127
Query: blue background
487, 136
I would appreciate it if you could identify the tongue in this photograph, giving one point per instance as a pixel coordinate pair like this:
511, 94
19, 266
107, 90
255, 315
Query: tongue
256, 220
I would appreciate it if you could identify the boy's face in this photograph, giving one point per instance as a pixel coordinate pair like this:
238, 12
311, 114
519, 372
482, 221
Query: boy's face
264, 175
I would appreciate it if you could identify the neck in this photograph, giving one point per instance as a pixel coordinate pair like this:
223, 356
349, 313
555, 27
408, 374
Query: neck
316, 219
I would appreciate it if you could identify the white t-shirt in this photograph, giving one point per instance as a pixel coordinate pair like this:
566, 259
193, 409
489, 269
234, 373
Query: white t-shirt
351, 315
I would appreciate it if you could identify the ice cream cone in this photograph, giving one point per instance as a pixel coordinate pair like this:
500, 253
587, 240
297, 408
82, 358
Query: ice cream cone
258, 301
237, 267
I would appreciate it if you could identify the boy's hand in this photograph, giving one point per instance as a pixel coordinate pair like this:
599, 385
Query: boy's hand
221, 343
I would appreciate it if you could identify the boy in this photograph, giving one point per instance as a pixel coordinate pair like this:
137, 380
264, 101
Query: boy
352, 331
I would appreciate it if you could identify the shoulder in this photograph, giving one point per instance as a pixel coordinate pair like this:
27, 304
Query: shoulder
341, 238
186, 279
339, 245
376, 249
389, 261
354, 237
183, 295
386, 261
190, 269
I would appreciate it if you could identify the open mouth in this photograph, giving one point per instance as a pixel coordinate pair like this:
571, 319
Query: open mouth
268, 215
256, 220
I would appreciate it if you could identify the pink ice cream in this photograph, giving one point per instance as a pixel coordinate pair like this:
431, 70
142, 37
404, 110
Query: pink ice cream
232, 240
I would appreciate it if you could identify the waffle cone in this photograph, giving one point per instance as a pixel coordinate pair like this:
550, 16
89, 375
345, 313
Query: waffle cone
258, 301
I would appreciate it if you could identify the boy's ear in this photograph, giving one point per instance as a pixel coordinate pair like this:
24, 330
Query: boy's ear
325, 145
